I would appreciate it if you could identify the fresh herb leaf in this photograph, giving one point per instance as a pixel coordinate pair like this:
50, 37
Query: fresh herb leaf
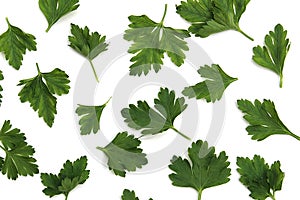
53, 10
263, 119
203, 170
213, 16
70, 176
153, 121
130, 195
273, 54
39, 91
151, 41
213, 87
1, 89
123, 154
260, 179
89, 45
14, 42
90, 120
18, 159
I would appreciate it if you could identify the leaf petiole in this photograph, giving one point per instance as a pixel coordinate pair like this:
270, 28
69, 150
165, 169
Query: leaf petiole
200, 194
177, 131
281, 80
294, 135
245, 34
165, 13
94, 70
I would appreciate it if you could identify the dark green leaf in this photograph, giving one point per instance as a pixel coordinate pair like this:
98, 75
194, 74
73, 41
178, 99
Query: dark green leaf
263, 119
90, 118
213, 87
18, 159
14, 43
203, 170
39, 91
89, 45
261, 180
154, 121
53, 10
123, 154
273, 54
130, 195
71, 175
151, 41
213, 16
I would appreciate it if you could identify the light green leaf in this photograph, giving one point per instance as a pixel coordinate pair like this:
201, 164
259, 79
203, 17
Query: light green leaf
213, 87
123, 154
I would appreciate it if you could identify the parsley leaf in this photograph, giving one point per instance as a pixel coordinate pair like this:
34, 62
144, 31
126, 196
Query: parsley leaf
260, 179
89, 45
273, 54
204, 169
213, 16
70, 176
18, 154
151, 41
53, 10
90, 120
14, 42
213, 87
1, 89
151, 121
263, 119
130, 195
123, 154
39, 91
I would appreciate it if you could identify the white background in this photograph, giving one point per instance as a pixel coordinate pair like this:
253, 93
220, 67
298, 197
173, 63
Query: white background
229, 49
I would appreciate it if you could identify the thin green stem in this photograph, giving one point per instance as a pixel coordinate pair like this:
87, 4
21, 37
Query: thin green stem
272, 196
199, 194
66, 195
165, 12
281, 80
94, 70
294, 135
2, 148
7, 22
246, 35
108, 101
183, 135
101, 148
49, 27
37, 67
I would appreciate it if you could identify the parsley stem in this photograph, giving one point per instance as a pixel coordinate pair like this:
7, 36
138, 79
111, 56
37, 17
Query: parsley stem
281, 80
246, 35
3, 148
108, 101
199, 194
37, 67
94, 70
7, 22
183, 135
294, 135
66, 195
272, 196
165, 12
